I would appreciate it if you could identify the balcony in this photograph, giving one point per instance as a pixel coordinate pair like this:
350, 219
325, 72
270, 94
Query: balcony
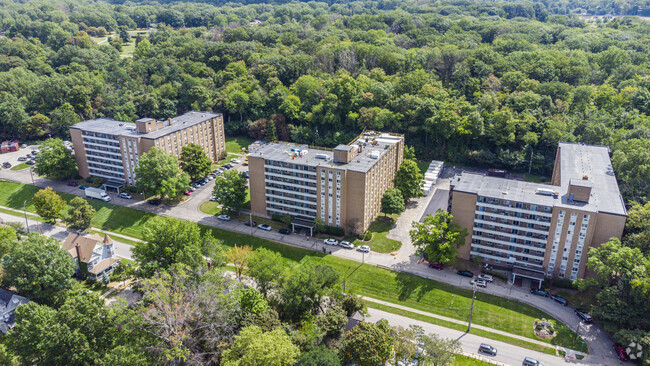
514, 209
507, 243
293, 197
510, 226
508, 251
538, 221
509, 235
309, 180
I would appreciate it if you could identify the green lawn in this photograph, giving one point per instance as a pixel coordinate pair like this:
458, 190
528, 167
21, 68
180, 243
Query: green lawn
379, 242
234, 144
396, 287
210, 208
20, 166
469, 361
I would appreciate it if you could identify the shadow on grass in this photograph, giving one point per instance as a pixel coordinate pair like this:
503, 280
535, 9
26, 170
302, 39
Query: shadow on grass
410, 286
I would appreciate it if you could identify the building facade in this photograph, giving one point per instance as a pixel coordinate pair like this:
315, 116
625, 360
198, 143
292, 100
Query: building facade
342, 186
540, 230
93, 255
111, 149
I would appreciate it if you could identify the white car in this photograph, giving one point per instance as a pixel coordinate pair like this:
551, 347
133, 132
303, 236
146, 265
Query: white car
125, 195
234, 161
331, 241
264, 227
485, 277
363, 249
479, 283
346, 245
223, 217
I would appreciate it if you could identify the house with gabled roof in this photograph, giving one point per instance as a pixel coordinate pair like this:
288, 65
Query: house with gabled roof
9, 302
93, 255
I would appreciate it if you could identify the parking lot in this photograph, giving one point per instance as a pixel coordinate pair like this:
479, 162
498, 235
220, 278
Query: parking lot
14, 156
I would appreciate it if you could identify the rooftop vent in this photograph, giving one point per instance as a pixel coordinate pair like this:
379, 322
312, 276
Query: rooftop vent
585, 177
545, 191
320, 156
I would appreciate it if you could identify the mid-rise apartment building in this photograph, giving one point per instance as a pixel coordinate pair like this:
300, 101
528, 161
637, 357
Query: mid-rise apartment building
111, 149
342, 186
541, 230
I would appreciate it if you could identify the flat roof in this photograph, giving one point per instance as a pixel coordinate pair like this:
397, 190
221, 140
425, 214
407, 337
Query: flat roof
369, 155
117, 128
580, 164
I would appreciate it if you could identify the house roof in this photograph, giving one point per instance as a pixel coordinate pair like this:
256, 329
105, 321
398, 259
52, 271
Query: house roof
86, 244
101, 266
9, 301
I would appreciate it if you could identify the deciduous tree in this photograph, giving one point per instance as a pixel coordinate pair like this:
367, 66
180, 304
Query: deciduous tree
253, 347
80, 215
55, 160
438, 237
48, 204
158, 173
368, 344
392, 202
266, 268
195, 162
408, 179
230, 190
239, 257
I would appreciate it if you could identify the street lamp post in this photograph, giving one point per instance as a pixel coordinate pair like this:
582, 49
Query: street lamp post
31, 173
25, 213
471, 309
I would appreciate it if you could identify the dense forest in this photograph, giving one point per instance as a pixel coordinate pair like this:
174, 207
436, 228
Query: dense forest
490, 84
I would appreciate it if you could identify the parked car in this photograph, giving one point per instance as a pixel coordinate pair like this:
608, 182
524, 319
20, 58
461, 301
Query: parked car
363, 249
234, 161
30, 162
621, 352
487, 349
187, 193
538, 292
479, 283
23, 146
528, 361
82, 187
485, 277
22, 158
330, 241
584, 316
6, 165
194, 185
436, 265
223, 217
125, 195
228, 166
29, 156
559, 299
250, 223
346, 245
264, 227
208, 178
213, 198
465, 273
202, 182
192, 189
155, 202
247, 175
73, 184
34, 152
284, 231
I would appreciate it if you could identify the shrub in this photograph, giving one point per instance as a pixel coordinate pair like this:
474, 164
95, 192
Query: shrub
497, 274
276, 217
563, 283
333, 230
95, 180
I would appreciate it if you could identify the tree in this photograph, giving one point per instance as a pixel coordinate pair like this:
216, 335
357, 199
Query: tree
195, 162
230, 190
168, 241
265, 267
438, 351
631, 161
438, 237
368, 344
406, 342
38, 268
392, 202
189, 314
7, 239
158, 173
408, 179
62, 118
319, 356
80, 215
612, 262
48, 204
637, 227
55, 160
253, 347
332, 321
83, 328
239, 257
303, 288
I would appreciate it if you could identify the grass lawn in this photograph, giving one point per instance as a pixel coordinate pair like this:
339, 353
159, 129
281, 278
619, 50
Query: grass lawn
379, 242
20, 166
396, 287
234, 144
210, 208
224, 161
469, 361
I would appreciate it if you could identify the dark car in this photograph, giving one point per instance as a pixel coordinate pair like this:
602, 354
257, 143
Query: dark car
559, 299
537, 292
487, 349
465, 273
250, 223
82, 187
436, 265
620, 352
284, 231
155, 202
6, 165
72, 184
30, 162
584, 316
202, 182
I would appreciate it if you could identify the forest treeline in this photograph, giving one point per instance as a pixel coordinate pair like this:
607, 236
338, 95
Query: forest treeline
468, 86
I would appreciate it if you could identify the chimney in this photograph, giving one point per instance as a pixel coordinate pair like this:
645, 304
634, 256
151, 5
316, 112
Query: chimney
169, 120
76, 247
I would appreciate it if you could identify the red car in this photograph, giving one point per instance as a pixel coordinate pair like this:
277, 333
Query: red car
620, 352
188, 193
436, 265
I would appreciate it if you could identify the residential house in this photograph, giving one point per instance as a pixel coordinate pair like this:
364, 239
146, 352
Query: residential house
94, 256
9, 302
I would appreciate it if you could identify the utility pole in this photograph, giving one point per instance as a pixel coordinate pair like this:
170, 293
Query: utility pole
250, 221
471, 309
25, 213
31, 173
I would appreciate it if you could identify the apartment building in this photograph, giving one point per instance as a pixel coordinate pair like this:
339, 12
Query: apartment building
342, 186
111, 149
540, 230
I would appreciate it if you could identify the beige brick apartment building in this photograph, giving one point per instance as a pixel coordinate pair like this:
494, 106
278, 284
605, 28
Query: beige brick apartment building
540, 230
342, 186
111, 149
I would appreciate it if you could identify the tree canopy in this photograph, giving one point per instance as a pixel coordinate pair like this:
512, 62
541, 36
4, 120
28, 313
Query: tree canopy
49, 205
438, 237
230, 190
80, 215
158, 173
55, 160
195, 162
